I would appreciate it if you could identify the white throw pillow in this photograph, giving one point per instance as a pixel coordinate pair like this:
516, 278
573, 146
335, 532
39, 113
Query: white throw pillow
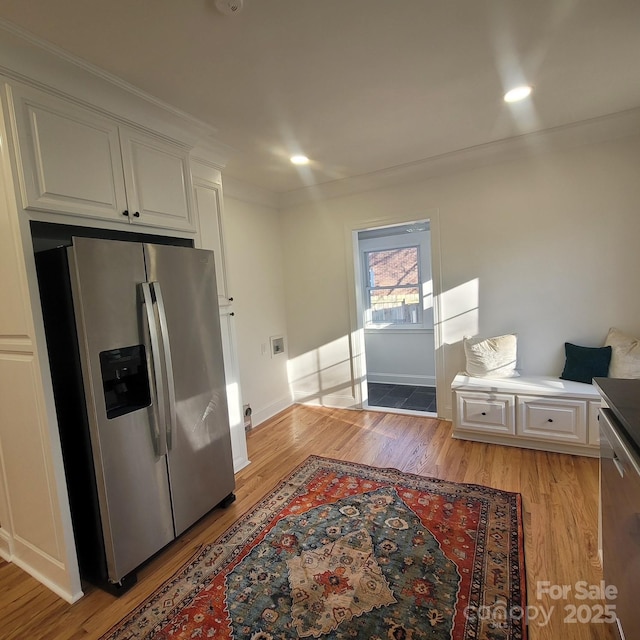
491, 357
625, 354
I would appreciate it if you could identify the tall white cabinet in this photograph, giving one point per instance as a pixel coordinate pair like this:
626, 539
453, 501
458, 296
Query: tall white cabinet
35, 529
207, 188
75, 150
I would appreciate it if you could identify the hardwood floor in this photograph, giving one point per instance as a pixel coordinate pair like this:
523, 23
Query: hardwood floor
559, 496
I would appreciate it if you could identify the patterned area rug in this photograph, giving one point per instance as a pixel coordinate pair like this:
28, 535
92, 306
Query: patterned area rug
342, 550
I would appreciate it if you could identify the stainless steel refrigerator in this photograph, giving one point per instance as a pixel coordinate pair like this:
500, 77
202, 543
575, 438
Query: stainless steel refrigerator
133, 333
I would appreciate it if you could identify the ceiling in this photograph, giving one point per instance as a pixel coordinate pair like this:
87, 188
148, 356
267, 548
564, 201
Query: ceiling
357, 85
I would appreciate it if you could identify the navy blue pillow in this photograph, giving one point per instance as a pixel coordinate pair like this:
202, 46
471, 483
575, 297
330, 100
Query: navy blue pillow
585, 363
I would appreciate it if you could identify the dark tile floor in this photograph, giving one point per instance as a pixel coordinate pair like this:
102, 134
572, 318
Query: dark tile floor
402, 396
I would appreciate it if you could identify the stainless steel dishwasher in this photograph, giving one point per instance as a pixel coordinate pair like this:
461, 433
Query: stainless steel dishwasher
620, 496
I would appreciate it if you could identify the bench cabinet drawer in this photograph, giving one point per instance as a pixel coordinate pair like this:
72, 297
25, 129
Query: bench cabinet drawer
556, 419
486, 412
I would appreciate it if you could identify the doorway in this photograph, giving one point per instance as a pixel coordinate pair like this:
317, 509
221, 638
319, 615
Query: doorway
395, 316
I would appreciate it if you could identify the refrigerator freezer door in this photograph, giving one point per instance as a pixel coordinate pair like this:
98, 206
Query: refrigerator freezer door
200, 458
132, 480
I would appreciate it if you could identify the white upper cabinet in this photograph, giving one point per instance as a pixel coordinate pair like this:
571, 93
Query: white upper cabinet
157, 180
69, 157
74, 161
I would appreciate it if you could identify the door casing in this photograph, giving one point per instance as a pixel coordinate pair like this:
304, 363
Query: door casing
356, 323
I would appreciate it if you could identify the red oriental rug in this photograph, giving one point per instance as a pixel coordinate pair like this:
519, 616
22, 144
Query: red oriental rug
342, 550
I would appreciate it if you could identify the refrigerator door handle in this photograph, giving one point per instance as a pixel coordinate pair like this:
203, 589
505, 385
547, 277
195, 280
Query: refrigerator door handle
160, 443
171, 389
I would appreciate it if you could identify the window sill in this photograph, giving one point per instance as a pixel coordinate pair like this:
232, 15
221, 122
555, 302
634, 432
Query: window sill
397, 329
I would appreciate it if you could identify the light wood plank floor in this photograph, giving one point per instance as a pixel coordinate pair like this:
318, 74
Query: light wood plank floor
560, 514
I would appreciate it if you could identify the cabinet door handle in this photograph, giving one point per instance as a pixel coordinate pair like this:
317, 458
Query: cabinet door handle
484, 413
232, 313
618, 464
230, 299
125, 213
550, 420
136, 214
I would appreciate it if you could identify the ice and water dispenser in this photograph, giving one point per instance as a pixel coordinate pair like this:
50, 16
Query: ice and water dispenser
125, 380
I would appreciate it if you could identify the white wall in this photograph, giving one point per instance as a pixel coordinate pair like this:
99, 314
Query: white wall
401, 357
546, 246
254, 264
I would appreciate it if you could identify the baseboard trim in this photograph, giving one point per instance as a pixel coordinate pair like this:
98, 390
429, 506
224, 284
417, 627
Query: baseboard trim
524, 443
5, 545
240, 463
331, 401
402, 378
262, 415
68, 596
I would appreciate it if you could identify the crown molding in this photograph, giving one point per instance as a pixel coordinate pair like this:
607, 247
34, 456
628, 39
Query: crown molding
240, 190
565, 137
27, 59
212, 152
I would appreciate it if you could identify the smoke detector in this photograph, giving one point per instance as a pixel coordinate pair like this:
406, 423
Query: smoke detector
229, 7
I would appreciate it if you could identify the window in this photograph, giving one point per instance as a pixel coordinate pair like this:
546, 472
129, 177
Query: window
393, 287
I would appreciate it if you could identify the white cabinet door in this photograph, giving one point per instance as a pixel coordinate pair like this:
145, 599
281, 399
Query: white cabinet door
69, 158
158, 182
208, 208
593, 428
234, 395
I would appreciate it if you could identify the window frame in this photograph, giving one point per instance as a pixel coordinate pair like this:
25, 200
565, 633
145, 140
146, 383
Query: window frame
367, 288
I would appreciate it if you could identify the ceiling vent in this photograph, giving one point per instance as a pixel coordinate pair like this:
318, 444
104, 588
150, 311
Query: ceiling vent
229, 7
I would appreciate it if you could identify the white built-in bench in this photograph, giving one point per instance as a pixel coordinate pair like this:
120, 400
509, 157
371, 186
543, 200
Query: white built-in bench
536, 412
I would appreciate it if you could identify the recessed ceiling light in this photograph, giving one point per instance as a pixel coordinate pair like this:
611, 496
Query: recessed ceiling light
299, 159
519, 93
